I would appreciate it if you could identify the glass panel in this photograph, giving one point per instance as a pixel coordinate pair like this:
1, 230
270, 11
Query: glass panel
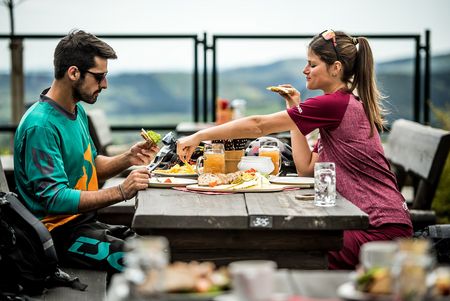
247, 67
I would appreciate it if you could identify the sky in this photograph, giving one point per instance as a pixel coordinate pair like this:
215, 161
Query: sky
221, 17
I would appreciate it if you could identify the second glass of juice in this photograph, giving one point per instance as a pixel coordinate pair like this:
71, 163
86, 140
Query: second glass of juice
214, 158
273, 152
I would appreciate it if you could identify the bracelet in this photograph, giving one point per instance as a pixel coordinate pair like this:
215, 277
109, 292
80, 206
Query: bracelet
122, 193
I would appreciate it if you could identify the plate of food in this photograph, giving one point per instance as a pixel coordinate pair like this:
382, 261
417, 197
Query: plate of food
188, 281
240, 181
167, 182
303, 182
373, 284
186, 170
348, 291
231, 189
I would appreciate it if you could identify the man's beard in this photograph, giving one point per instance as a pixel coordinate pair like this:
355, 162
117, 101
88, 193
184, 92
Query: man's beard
78, 94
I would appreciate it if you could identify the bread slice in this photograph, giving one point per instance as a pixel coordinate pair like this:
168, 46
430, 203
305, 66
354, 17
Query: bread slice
280, 89
211, 179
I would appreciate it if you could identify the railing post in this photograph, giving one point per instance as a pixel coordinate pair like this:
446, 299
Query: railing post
417, 94
195, 85
205, 77
214, 78
17, 80
427, 79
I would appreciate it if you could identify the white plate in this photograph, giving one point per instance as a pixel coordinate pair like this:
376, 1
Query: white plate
347, 291
174, 182
178, 175
295, 181
226, 188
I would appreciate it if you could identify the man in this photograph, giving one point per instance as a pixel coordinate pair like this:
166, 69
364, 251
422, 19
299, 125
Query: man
57, 168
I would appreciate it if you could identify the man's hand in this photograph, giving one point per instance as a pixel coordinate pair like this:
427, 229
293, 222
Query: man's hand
136, 180
142, 153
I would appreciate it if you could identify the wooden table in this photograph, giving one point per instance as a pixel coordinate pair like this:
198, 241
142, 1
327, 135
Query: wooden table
230, 227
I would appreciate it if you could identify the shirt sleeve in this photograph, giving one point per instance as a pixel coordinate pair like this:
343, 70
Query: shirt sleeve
324, 112
45, 170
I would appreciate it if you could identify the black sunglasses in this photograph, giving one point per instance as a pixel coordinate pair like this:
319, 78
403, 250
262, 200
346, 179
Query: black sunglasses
330, 35
99, 77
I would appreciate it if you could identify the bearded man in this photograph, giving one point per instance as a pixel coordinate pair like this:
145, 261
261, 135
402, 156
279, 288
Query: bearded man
57, 168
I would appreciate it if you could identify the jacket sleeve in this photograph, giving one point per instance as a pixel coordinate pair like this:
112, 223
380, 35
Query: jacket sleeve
45, 169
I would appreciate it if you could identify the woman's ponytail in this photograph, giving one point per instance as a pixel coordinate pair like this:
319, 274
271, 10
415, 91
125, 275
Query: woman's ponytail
365, 83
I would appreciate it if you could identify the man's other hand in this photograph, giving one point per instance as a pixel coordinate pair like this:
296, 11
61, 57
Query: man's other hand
142, 153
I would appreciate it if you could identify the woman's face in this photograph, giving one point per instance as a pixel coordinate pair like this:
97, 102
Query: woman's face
318, 77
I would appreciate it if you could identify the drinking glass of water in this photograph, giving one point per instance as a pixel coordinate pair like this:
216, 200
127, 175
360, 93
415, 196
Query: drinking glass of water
324, 184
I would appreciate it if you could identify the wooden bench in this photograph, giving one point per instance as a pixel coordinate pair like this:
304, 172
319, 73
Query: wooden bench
96, 290
7, 162
3, 183
418, 152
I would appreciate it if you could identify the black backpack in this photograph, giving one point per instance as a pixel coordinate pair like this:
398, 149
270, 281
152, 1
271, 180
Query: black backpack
28, 260
439, 236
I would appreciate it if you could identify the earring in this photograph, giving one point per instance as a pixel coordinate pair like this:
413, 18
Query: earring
333, 75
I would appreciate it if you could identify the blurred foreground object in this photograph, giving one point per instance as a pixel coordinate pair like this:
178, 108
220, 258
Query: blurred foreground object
412, 264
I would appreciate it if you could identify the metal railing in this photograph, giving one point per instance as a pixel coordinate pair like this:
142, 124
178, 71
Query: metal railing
417, 65
195, 72
208, 104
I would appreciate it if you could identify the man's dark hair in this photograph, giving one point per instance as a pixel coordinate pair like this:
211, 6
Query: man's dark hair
79, 48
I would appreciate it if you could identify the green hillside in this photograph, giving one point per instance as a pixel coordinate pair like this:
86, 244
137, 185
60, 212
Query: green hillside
166, 98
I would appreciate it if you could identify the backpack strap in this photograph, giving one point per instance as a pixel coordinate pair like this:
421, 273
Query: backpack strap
37, 225
61, 278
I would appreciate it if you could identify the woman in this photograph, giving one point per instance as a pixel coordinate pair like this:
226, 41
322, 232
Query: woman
338, 65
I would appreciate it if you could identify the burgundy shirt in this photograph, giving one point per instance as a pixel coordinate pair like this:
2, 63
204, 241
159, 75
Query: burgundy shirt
362, 171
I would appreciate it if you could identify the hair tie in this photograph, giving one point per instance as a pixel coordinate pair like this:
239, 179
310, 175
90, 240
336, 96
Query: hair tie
355, 41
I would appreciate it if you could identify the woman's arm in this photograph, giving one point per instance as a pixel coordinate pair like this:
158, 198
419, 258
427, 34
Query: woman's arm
304, 158
248, 127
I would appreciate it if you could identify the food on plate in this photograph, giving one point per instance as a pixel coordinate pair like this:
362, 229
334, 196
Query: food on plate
192, 277
150, 136
280, 89
235, 180
376, 280
214, 179
177, 169
442, 283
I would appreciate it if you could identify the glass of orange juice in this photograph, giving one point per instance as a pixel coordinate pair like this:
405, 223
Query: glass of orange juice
213, 158
273, 152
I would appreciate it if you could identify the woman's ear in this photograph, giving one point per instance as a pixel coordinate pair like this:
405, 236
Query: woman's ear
73, 73
337, 67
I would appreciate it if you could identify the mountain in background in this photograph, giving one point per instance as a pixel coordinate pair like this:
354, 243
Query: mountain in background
139, 98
